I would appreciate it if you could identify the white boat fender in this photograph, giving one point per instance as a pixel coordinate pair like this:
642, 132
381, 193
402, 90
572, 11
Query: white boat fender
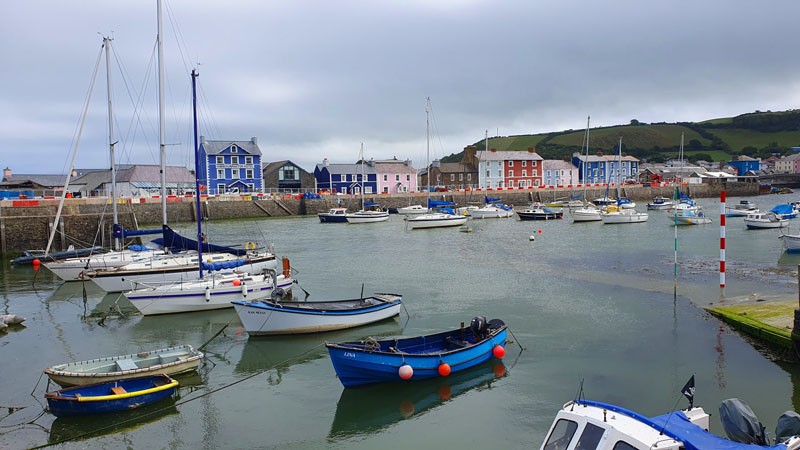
11, 319
244, 289
208, 294
532, 238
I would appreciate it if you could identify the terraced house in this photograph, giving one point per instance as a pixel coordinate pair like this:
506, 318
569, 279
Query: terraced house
230, 166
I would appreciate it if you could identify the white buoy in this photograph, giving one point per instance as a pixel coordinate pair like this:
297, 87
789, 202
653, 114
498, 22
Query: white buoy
532, 238
244, 289
11, 319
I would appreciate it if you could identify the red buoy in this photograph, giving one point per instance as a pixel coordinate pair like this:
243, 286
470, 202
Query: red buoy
405, 371
36, 263
237, 282
498, 351
444, 369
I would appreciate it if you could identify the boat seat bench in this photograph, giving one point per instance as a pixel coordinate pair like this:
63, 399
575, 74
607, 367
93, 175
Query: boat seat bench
126, 364
118, 390
170, 357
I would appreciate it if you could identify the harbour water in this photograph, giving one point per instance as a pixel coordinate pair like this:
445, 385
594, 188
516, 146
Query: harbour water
589, 303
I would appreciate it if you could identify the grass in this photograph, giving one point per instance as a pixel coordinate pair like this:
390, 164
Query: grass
738, 139
641, 136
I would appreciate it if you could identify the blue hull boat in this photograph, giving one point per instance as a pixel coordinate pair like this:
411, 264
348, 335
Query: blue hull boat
28, 256
417, 358
111, 396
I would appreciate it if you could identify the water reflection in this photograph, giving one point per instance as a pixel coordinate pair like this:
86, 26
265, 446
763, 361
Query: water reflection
86, 427
789, 259
369, 409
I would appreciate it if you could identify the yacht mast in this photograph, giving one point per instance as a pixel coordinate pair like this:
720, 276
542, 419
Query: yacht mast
161, 144
111, 142
428, 145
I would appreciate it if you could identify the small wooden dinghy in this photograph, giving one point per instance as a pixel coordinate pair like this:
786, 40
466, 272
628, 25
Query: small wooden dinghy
169, 361
418, 358
110, 396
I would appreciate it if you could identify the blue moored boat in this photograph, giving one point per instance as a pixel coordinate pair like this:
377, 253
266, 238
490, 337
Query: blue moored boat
111, 396
418, 358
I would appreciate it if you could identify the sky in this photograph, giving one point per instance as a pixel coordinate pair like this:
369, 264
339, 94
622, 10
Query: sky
316, 79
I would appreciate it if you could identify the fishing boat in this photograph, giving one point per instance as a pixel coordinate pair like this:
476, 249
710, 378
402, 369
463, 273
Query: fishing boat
334, 215
443, 217
741, 209
266, 317
757, 221
785, 211
537, 211
587, 424
791, 242
169, 361
110, 396
493, 208
417, 358
660, 202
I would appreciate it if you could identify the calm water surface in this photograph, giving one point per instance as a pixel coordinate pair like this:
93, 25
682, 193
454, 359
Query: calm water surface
587, 301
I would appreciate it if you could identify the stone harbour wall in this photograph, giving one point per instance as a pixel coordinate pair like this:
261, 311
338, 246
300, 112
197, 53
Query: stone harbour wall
27, 224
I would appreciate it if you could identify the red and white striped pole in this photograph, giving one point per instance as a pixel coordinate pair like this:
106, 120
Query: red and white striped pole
722, 239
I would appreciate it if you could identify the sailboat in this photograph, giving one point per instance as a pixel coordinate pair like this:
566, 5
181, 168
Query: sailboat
445, 217
215, 291
617, 213
588, 212
165, 269
70, 269
364, 215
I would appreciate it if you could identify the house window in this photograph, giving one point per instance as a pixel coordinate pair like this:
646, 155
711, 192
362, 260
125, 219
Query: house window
220, 173
368, 189
524, 173
536, 182
524, 163
288, 172
408, 177
510, 173
452, 177
386, 189
220, 160
511, 164
220, 189
438, 177
386, 178
500, 173
461, 177
396, 177
510, 183
252, 187
248, 160
533, 163
234, 149
488, 175
469, 177
234, 160
235, 174
248, 173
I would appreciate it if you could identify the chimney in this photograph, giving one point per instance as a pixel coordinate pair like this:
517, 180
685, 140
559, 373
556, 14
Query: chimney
531, 149
202, 140
6, 173
254, 140
325, 162
469, 155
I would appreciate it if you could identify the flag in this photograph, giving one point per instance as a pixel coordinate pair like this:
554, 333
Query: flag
688, 391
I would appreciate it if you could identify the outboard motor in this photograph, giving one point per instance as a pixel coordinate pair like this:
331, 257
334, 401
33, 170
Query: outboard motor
741, 423
478, 327
788, 426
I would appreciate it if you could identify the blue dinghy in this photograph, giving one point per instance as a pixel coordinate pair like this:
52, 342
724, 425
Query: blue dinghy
111, 396
416, 358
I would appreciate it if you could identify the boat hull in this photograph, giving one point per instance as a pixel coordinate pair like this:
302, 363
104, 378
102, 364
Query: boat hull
435, 221
111, 396
536, 215
174, 299
71, 269
585, 215
623, 218
120, 280
358, 367
791, 242
266, 318
760, 225
412, 210
367, 217
167, 361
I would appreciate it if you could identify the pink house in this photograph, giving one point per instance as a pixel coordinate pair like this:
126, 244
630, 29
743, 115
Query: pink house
395, 176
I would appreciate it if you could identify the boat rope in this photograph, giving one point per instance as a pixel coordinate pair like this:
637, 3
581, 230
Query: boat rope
521, 348
177, 403
214, 336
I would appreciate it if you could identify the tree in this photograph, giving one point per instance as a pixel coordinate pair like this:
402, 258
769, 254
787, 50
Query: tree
700, 157
694, 144
635, 122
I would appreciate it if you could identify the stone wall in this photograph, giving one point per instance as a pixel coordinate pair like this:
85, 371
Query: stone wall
86, 221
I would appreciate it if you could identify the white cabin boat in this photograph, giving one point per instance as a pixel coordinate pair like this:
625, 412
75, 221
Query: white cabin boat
759, 220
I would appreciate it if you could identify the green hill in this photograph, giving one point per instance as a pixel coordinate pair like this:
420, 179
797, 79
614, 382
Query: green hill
758, 134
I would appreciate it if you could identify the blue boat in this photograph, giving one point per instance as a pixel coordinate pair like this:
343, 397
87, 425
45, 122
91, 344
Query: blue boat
417, 358
111, 396
28, 256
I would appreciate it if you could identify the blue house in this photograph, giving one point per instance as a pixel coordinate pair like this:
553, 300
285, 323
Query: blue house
745, 164
598, 169
230, 166
346, 178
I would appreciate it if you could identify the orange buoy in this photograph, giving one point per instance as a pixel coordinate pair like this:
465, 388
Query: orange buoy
444, 369
36, 263
406, 372
540, 231
237, 282
498, 351
287, 267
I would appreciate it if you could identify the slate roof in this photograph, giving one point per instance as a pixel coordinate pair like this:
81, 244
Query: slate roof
348, 168
216, 147
508, 156
557, 164
42, 180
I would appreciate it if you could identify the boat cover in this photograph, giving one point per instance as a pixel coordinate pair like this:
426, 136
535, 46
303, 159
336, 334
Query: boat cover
788, 426
223, 264
783, 209
491, 199
438, 203
679, 427
120, 231
741, 423
176, 242
370, 204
